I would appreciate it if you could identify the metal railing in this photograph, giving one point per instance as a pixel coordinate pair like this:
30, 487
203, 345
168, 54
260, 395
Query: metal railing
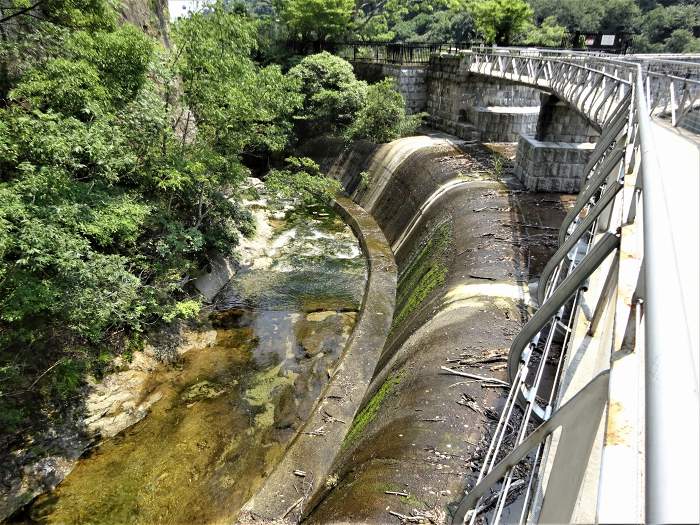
605, 292
396, 53
534, 467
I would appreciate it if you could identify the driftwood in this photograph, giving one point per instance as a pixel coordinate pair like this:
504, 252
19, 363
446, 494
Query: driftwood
473, 376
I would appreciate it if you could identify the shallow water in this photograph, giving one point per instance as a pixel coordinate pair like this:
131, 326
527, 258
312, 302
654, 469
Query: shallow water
228, 411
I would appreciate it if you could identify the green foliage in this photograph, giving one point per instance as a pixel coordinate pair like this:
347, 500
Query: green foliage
500, 21
383, 117
303, 182
238, 106
97, 70
110, 201
669, 29
332, 94
549, 33
415, 21
316, 19
426, 271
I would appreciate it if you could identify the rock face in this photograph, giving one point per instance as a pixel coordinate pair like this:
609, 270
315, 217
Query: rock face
119, 401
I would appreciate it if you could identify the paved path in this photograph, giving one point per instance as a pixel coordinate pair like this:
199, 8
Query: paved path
678, 153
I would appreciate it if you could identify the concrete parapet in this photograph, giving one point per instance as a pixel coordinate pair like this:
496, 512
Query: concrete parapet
551, 166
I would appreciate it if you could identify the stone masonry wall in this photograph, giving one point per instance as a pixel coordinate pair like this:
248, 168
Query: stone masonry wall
495, 110
551, 166
558, 122
410, 81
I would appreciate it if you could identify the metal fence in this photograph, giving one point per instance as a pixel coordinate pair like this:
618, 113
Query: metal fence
540, 449
396, 53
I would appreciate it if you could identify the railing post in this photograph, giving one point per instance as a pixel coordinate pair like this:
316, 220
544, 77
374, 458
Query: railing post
673, 104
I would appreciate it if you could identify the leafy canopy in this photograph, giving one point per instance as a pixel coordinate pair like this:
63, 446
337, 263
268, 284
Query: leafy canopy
316, 19
500, 21
383, 118
332, 94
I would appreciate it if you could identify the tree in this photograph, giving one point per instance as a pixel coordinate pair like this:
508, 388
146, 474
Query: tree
682, 41
549, 33
591, 16
500, 21
659, 24
383, 118
302, 180
239, 107
332, 94
316, 20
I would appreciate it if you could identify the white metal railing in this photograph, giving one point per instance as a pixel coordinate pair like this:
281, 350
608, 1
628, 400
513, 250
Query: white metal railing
534, 467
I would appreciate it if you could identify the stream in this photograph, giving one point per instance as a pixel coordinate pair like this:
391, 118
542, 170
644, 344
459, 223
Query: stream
228, 411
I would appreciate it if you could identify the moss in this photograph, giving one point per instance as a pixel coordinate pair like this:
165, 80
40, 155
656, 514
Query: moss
425, 272
370, 410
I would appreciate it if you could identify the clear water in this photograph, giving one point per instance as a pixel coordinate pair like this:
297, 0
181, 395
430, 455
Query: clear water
228, 411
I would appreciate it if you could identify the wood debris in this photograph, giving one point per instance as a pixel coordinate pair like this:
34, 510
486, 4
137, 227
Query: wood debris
473, 376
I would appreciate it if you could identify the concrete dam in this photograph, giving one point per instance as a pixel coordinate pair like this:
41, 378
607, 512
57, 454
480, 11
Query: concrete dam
508, 363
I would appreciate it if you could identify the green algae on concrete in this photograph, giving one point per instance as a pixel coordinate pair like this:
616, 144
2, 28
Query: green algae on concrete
369, 412
426, 271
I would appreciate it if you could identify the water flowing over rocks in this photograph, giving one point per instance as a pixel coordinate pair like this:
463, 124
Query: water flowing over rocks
258, 357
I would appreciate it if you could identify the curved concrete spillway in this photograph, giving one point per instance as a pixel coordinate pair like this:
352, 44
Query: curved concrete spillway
467, 240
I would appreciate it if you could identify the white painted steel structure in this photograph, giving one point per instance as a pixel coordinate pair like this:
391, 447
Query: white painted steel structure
602, 421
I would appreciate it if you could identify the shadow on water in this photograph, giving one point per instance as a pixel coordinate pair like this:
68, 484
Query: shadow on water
227, 411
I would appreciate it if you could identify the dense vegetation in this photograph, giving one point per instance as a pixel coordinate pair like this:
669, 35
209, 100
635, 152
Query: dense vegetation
120, 167
121, 158
655, 25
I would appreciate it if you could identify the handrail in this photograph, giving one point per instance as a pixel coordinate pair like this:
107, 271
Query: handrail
612, 93
671, 368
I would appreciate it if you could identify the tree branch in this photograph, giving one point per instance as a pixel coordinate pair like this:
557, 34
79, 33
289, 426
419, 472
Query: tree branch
22, 11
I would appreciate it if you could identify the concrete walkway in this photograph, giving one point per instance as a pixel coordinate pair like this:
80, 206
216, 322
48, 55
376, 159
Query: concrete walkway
678, 154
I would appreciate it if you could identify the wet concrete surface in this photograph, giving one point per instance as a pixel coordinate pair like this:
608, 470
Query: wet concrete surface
427, 431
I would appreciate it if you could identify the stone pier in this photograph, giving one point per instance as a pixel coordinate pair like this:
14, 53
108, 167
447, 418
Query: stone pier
555, 157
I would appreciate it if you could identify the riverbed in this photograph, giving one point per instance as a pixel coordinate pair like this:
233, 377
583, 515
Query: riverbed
227, 411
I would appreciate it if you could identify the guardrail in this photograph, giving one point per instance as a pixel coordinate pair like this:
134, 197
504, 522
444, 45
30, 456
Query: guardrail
595, 297
397, 53
611, 289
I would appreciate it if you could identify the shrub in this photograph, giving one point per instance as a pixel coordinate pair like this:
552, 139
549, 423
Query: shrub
383, 117
303, 181
332, 94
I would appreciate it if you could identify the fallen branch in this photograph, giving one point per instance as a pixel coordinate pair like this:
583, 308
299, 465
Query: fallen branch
292, 507
473, 376
394, 493
320, 431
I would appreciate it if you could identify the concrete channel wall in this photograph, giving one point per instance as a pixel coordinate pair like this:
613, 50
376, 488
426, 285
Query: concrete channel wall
306, 463
466, 242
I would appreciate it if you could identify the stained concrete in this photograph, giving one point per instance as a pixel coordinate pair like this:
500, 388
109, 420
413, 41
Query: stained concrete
415, 436
305, 468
